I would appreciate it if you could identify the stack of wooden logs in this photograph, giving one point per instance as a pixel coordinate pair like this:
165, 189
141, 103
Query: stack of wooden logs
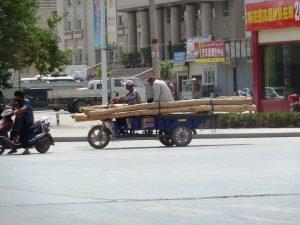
218, 105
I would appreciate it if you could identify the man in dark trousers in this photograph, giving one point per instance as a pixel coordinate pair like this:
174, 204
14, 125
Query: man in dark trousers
27, 120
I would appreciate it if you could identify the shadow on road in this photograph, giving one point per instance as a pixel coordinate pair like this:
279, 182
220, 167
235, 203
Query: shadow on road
173, 148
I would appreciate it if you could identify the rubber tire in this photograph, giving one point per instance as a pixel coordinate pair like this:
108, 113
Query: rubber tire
43, 147
90, 137
177, 139
166, 141
78, 105
2, 149
56, 109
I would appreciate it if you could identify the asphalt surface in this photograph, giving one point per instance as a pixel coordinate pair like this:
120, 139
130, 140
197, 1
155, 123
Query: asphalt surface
220, 181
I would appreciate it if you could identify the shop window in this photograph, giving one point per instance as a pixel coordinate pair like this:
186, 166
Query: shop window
225, 8
209, 77
281, 71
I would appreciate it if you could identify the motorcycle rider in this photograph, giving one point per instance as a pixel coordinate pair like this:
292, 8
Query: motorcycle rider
26, 111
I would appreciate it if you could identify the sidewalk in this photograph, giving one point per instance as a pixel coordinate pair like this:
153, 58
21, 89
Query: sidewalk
70, 131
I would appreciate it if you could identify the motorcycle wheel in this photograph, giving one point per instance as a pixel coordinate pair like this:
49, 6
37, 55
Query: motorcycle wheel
99, 137
43, 145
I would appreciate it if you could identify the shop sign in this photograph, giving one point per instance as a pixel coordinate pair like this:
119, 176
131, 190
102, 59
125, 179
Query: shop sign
179, 59
213, 51
191, 52
272, 14
180, 68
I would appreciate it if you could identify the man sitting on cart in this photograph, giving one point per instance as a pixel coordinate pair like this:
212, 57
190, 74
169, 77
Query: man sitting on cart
132, 98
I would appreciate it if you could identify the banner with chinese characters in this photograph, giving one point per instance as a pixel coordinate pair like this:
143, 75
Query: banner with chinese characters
112, 37
192, 52
272, 14
213, 51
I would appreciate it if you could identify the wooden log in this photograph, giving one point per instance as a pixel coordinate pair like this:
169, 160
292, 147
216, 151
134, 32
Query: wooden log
99, 107
81, 118
164, 105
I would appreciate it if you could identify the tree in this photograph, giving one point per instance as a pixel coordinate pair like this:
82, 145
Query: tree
166, 70
23, 43
99, 71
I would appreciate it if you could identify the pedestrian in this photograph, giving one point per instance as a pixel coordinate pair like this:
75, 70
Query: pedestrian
26, 111
172, 89
150, 93
161, 90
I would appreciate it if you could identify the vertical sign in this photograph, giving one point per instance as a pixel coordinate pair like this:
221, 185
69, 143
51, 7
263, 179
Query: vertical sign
97, 23
111, 24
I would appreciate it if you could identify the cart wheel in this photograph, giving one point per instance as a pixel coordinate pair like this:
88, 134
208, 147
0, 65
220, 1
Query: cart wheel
99, 137
182, 136
167, 141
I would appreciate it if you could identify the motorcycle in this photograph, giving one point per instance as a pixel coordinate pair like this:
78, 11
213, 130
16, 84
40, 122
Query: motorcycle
41, 138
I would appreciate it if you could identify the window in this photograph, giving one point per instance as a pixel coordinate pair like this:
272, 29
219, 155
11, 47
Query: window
79, 2
169, 15
79, 24
80, 56
209, 76
68, 25
225, 8
183, 13
281, 70
69, 3
120, 20
198, 13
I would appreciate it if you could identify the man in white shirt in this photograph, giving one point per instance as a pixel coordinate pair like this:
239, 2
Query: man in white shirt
161, 90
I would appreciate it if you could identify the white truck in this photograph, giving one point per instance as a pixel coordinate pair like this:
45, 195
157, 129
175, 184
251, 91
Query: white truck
72, 99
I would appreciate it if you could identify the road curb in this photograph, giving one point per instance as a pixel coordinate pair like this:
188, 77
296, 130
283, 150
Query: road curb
197, 136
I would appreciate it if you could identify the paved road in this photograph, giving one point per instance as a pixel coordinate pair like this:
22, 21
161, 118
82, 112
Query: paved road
216, 182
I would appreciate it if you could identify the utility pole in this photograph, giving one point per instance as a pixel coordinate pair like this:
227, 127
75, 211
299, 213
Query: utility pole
154, 39
103, 53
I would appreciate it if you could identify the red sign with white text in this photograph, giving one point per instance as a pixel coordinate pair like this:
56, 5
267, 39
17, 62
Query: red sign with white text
272, 14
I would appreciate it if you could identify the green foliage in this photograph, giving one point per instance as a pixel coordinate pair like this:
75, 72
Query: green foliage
23, 43
131, 60
166, 70
99, 72
259, 120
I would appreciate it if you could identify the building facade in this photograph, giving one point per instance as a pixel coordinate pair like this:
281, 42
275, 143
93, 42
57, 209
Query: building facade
76, 30
177, 22
275, 27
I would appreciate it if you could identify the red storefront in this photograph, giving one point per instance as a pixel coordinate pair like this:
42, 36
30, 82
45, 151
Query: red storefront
275, 27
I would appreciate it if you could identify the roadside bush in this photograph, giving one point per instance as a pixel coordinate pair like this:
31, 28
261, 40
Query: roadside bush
259, 120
